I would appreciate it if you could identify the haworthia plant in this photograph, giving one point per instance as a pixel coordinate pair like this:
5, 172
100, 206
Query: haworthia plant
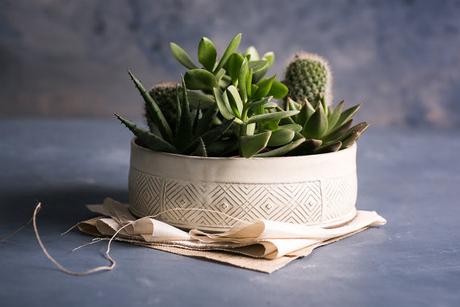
193, 131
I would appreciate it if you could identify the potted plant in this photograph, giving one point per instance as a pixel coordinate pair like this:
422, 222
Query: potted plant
219, 149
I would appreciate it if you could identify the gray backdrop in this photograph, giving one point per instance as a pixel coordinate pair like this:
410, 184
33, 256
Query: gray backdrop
401, 59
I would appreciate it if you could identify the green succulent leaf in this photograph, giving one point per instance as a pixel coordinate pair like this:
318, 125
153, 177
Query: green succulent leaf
294, 127
233, 66
207, 53
252, 144
283, 150
264, 87
242, 80
269, 57
281, 137
184, 133
225, 110
200, 149
153, 109
334, 114
148, 139
329, 147
271, 116
182, 56
231, 48
278, 90
199, 79
252, 53
317, 125
347, 114
235, 100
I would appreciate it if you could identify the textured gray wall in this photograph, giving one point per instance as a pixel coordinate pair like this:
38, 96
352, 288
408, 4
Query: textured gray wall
69, 58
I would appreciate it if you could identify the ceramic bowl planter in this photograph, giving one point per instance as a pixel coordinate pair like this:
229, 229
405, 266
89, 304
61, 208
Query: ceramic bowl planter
312, 190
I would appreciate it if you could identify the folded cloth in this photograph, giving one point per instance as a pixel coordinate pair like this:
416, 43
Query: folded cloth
266, 241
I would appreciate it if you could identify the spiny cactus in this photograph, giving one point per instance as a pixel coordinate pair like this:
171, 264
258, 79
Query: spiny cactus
325, 128
193, 131
308, 77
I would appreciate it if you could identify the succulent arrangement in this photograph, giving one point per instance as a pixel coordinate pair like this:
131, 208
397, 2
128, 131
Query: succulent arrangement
228, 106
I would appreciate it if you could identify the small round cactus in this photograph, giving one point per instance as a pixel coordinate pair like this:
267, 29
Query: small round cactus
308, 77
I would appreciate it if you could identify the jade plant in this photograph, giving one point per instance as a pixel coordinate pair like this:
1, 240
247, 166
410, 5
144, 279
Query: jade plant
227, 106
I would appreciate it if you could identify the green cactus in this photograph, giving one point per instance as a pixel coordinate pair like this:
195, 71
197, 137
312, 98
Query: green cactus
192, 134
308, 77
325, 128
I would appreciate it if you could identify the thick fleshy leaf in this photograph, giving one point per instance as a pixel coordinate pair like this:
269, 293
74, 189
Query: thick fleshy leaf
329, 147
269, 57
252, 144
154, 110
281, 137
347, 114
242, 80
231, 48
182, 56
252, 53
207, 53
316, 126
294, 127
199, 79
233, 66
334, 114
283, 150
353, 134
235, 100
224, 110
148, 139
257, 65
278, 90
338, 132
271, 116
200, 150
197, 98
264, 87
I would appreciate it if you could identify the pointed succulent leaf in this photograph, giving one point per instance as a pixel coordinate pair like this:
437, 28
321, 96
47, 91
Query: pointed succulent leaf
233, 66
182, 56
205, 122
200, 150
334, 114
257, 65
278, 90
252, 53
235, 100
329, 147
207, 53
338, 132
199, 79
184, 133
252, 144
152, 108
316, 126
231, 48
347, 114
281, 137
350, 140
353, 134
148, 139
271, 116
281, 151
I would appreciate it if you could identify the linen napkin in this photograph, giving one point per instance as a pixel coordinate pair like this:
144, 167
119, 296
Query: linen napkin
261, 245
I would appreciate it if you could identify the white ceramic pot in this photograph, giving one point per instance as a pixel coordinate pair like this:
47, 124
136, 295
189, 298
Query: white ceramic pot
312, 190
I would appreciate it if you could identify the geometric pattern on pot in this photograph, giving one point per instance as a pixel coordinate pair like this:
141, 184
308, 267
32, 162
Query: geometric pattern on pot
300, 202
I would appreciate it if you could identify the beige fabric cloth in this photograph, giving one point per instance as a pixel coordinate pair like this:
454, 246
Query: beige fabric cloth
262, 245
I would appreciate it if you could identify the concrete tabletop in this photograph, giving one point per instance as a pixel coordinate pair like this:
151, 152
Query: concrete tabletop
411, 177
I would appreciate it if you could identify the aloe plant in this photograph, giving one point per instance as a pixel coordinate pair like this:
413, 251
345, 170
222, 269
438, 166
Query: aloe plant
325, 128
192, 134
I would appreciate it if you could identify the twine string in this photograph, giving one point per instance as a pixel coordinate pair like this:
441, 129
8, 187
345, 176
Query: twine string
106, 254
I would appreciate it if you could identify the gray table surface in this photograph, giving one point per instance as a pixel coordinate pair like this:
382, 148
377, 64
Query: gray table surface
411, 177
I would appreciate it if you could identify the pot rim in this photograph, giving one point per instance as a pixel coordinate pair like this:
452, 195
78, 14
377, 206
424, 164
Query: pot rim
312, 157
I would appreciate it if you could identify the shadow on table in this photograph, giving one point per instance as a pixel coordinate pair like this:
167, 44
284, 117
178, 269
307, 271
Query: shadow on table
60, 206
